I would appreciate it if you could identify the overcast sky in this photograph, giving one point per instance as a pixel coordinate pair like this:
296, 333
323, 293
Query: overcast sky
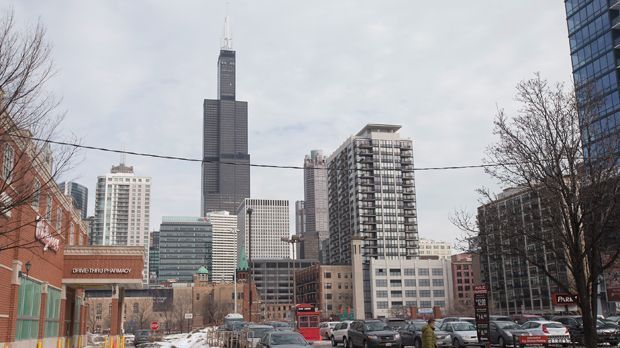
135, 73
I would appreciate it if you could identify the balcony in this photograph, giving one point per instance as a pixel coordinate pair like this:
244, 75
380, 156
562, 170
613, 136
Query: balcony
615, 5
615, 23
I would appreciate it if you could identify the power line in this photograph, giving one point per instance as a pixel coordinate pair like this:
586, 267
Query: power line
258, 165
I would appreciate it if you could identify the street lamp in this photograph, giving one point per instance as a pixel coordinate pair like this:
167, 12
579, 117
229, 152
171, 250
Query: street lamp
251, 269
294, 239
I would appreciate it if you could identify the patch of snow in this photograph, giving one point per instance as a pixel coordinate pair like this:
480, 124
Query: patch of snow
194, 339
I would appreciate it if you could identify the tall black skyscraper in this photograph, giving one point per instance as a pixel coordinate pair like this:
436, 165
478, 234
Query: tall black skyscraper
225, 170
78, 193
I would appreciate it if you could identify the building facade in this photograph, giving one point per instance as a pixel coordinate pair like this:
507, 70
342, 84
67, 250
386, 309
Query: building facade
316, 203
371, 192
398, 286
465, 275
274, 283
515, 285
122, 210
79, 194
224, 246
327, 287
594, 34
225, 169
154, 257
270, 223
185, 244
429, 247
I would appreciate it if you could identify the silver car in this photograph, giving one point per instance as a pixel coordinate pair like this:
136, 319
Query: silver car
458, 334
251, 335
326, 329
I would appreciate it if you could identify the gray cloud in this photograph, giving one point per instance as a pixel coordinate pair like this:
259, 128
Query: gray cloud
134, 74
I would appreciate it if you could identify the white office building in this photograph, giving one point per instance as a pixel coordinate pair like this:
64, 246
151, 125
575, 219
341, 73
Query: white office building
429, 247
224, 245
398, 285
122, 210
270, 222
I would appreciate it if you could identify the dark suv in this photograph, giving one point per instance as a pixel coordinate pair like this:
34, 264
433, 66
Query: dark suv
607, 332
371, 334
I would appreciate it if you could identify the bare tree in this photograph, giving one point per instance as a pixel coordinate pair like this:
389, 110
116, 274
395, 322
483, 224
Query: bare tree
399, 312
142, 312
214, 309
28, 121
576, 185
182, 304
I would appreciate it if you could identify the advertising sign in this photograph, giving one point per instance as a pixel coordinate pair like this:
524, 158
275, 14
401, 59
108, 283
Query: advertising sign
564, 299
532, 340
481, 312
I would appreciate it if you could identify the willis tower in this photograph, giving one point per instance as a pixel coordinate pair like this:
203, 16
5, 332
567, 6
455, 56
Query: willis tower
225, 166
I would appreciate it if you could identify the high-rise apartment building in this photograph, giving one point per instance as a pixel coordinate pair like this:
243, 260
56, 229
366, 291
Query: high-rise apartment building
270, 223
154, 256
594, 37
516, 286
122, 210
225, 169
185, 245
372, 196
79, 195
224, 246
429, 247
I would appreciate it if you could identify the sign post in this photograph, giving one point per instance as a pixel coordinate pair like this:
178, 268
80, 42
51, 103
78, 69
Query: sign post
154, 326
189, 316
481, 311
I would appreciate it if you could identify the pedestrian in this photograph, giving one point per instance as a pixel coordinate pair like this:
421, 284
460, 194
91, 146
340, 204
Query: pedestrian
428, 335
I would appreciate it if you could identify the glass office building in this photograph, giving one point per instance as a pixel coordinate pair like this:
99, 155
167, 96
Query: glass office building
594, 35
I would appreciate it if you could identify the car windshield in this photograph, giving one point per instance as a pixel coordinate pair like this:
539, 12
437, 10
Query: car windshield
419, 325
396, 324
375, 326
507, 325
280, 325
259, 333
463, 327
554, 325
292, 338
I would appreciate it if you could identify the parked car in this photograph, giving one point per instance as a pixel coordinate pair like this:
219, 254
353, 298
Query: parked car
606, 332
325, 329
411, 334
522, 318
372, 333
129, 338
555, 331
279, 325
438, 322
460, 333
500, 318
505, 333
395, 323
339, 333
290, 339
142, 336
250, 335
614, 318
453, 319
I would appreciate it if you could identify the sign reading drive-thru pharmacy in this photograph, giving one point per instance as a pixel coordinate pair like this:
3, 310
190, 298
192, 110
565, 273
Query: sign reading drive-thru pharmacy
154, 326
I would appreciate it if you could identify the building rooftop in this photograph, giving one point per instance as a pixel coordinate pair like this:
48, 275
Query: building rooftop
379, 127
202, 270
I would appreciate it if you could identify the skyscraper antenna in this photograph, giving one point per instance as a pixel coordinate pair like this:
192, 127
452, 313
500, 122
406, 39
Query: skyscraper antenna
123, 155
227, 38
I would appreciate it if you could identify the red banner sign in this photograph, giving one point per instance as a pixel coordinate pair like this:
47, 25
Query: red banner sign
532, 340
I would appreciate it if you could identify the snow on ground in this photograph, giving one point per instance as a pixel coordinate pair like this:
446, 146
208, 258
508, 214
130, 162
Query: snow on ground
194, 339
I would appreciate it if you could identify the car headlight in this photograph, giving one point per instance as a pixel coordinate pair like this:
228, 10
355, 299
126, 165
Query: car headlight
508, 333
373, 337
397, 337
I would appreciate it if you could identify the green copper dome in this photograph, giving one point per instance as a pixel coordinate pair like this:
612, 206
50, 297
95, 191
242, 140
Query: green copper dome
243, 261
202, 270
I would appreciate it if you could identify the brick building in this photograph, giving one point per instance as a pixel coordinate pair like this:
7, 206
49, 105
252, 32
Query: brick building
327, 287
465, 274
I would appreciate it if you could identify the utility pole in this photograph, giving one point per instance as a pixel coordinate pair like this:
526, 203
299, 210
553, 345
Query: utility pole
293, 240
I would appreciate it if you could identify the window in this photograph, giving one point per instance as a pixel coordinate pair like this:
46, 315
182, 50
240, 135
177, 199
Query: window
381, 283
424, 282
28, 310
396, 294
58, 220
48, 208
328, 296
382, 305
36, 190
7, 164
440, 303
136, 308
409, 271
396, 282
99, 311
52, 312
328, 285
328, 274
410, 293
394, 272
410, 282
71, 235
437, 282
411, 303
437, 271
423, 271
379, 272
425, 293
425, 304
439, 293
382, 294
